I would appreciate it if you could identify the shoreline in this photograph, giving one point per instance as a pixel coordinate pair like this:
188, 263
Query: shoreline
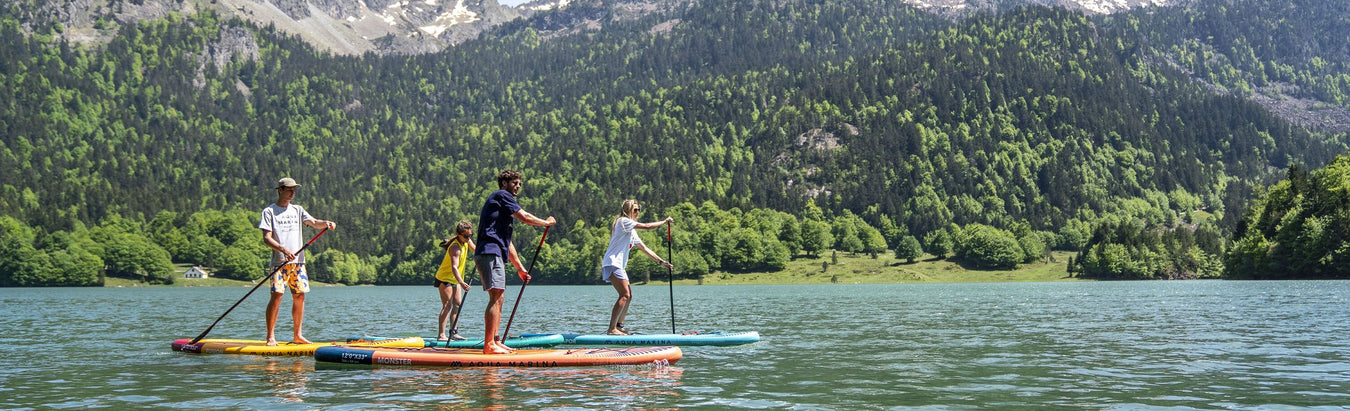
850, 269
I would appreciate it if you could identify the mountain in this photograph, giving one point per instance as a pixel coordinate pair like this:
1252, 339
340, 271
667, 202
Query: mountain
422, 26
1031, 119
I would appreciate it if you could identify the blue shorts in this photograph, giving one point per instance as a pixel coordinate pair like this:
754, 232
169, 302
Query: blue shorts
608, 272
492, 270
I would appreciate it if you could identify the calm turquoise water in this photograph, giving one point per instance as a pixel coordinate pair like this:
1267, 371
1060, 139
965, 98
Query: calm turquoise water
1117, 345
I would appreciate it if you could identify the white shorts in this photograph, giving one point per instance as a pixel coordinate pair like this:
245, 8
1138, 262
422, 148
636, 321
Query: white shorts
617, 273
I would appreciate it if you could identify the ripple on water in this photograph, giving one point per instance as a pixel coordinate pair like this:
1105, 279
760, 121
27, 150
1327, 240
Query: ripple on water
1162, 345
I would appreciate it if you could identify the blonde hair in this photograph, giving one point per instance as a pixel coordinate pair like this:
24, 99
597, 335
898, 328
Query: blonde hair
628, 208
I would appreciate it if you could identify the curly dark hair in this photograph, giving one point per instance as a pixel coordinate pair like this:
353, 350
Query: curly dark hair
507, 176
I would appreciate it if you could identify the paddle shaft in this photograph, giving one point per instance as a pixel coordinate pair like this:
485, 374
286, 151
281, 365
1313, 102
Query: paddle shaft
255, 288
670, 275
454, 325
530, 271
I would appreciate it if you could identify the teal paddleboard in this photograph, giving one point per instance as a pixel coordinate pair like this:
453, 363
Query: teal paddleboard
710, 338
531, 340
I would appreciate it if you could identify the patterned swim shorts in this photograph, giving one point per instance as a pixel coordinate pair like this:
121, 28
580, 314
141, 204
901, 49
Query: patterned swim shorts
292, 276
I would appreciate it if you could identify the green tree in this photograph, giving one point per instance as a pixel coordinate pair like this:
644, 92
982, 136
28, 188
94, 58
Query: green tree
240, 263
70, 261
938, 243
21, 264
816, 237
987, 247
844, 228
908, 249
133, 256
1033, 248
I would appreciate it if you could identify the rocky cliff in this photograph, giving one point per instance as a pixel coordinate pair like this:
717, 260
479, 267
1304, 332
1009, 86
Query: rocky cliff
419, 26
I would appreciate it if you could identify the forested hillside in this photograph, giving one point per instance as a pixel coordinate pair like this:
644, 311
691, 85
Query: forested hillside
1034, 123
1299, 229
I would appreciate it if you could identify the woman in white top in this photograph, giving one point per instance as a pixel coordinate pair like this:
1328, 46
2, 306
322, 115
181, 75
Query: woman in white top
612, 267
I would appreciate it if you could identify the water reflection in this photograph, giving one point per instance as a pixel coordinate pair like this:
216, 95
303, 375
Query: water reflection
1184, 345
493, 388
288, 378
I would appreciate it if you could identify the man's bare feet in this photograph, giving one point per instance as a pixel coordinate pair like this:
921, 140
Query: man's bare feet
300, 339
616, 332
271, 341
442, 337
494, 348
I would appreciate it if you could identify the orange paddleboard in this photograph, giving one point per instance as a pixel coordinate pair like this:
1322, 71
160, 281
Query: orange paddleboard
458, 357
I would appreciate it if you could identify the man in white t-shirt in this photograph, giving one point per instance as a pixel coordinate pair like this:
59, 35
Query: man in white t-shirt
282, 232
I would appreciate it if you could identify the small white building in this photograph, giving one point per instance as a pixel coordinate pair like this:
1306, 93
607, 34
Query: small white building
195, 272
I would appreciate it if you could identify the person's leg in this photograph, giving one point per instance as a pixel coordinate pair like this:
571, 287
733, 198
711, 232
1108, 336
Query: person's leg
298, 314
620, 305
493, 272
623, 314
273, 305
456, 300
446, 309
492, 316
299, 284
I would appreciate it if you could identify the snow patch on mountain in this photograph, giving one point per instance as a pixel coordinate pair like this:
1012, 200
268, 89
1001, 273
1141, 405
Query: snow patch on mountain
460, 14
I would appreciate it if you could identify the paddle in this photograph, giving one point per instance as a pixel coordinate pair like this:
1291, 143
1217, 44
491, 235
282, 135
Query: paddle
670, 275
266, 279
454, 325
530, 270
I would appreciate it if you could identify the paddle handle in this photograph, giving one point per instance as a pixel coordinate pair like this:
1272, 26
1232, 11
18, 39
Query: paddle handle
529, 270
255, 288
670, 274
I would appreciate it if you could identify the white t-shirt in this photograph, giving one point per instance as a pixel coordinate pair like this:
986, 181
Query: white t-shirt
285, 222
620, 241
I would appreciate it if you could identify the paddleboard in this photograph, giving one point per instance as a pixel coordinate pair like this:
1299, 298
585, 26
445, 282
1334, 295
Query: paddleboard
260, 347
467, 357
533, 340
691, 339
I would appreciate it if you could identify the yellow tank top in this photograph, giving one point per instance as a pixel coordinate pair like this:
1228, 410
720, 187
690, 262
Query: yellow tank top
444, 273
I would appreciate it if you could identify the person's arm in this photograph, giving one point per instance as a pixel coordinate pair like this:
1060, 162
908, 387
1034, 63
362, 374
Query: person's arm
321, 224
472, 246
271, 241
527, 218
515, 259
654, 224
648, 251
454, 264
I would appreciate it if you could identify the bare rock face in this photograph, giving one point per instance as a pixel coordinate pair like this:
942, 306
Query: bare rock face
295, 9
425, 26
234, 43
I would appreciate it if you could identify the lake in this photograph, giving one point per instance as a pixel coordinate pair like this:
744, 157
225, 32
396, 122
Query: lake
1072, 345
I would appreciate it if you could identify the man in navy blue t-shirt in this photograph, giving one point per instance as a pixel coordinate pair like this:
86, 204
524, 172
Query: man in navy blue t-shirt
495, 226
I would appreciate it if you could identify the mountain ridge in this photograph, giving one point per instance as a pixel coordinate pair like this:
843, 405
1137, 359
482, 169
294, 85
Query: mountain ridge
354, 27
1034, 120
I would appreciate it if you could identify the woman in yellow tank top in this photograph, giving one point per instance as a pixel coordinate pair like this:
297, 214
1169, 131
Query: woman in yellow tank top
450, 278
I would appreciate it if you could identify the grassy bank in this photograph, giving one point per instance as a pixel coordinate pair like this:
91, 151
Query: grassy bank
862, 269
850, 269
179, 281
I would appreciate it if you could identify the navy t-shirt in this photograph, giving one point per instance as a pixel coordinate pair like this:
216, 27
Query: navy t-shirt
495, 224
